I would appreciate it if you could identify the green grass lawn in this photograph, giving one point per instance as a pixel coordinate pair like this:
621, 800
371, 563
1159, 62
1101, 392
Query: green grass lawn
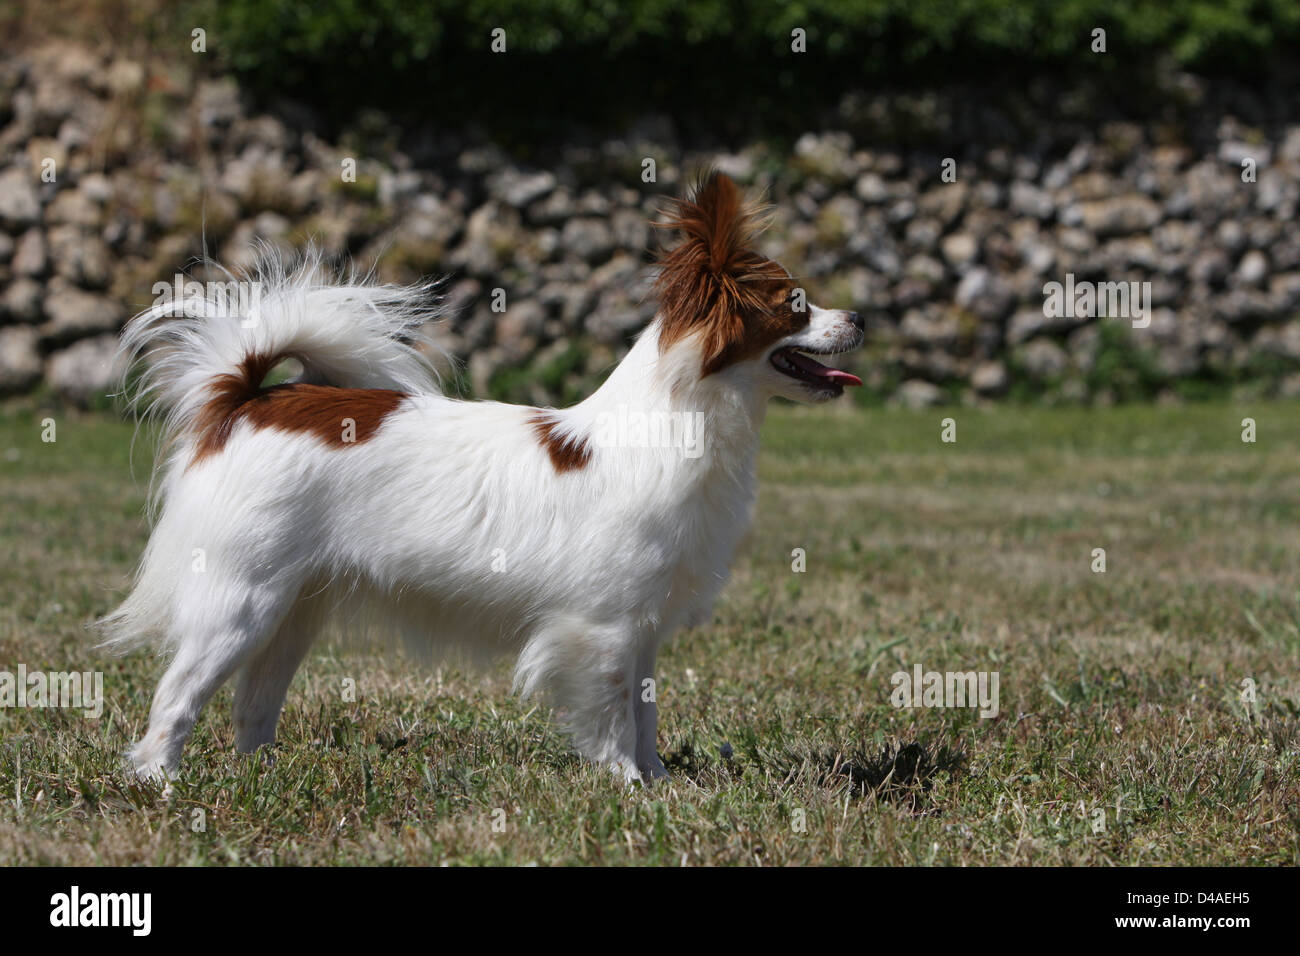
1122, 736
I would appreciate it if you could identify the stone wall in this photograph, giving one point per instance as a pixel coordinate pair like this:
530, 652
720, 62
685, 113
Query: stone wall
145, 163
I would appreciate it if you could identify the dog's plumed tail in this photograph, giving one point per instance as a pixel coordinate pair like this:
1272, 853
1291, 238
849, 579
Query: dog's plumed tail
345, 330
212, 346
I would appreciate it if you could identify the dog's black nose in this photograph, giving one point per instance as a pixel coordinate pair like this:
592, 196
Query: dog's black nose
857, 319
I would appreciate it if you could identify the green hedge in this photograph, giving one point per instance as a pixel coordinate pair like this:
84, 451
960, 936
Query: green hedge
431, 52
1193, 31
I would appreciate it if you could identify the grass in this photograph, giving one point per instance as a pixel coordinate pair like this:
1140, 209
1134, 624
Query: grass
1122, 736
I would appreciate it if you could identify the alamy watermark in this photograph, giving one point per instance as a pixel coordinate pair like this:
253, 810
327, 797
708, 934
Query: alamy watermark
923, 688
629, 428
234, 299
133, 911
1090, 300
40, 689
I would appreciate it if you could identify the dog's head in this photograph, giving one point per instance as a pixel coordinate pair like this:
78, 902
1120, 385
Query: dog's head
745, 314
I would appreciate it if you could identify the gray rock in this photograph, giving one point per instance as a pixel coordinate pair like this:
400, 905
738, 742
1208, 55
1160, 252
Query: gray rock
20, 359
923, 234
259, 177
1235, 151
872, 188
989, 378
918, 393
431, 219
521, 321
926, 268
1283, 341
241, 249
397, 186
85, 369
30, 257
631, 231
1176, 236
1245, 305
72, 314
615, 318
1231, 236
553, 210
960, 249
593, 203
124, 77
1210, 266
945, 202
1043, 360
1027, 323
82, 259
1253, 269
217, 102
930, 328
20, 204
828, 155
1121, 255
74, 207
520, 189
483, 365
1289, 387
1120, 216
1039, 257
1290, 150
1284, 290
1028, 200
1209, 191
491, 236
21, 301
588, 239
983, 293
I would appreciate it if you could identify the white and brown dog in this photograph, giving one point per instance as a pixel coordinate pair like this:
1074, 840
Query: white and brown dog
362, 494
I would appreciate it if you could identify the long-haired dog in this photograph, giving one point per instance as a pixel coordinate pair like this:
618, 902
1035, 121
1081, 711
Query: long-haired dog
577, 539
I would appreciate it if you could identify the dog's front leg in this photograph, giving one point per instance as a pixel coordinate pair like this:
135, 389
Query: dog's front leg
589, 671
648, 763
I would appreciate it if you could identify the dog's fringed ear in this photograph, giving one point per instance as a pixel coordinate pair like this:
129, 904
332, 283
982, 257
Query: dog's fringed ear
704, 284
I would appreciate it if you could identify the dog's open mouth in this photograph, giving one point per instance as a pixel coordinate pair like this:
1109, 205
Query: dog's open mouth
802, 367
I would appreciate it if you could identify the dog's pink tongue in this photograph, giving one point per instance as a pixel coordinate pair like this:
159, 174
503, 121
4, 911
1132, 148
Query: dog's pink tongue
813, 367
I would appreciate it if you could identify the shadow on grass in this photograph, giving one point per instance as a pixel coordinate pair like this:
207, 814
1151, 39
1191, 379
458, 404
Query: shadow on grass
900, 773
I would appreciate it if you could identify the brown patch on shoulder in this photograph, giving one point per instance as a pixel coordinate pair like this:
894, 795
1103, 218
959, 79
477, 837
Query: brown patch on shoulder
568, 453
715, 285
318, 410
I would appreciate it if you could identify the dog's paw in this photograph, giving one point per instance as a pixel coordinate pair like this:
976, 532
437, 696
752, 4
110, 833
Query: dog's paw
149, 764
652, 770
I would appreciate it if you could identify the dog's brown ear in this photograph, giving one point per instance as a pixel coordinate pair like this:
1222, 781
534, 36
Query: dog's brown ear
707, 282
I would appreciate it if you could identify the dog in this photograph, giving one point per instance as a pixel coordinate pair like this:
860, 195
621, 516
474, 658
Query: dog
360, 493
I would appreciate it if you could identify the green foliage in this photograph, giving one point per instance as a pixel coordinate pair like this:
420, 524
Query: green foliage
417, 30
1121, 368
419, 53
557, 376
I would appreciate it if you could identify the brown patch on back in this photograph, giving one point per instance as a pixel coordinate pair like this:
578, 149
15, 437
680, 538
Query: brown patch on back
318, 410
714, 285
568, 453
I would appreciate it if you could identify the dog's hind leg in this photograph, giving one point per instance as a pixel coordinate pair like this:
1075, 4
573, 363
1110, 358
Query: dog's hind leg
206, 656
265, 679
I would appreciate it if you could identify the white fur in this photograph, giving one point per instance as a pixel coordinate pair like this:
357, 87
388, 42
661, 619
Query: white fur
451, 521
